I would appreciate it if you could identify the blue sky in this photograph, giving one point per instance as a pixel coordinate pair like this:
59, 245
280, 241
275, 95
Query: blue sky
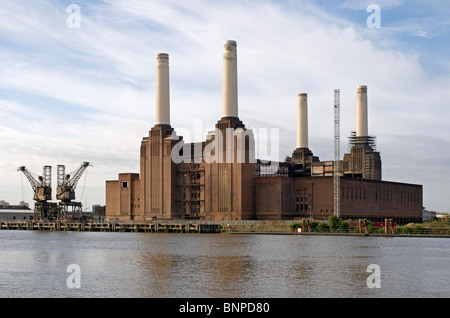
69, 95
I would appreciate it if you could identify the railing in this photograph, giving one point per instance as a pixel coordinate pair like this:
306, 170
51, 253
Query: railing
375, 231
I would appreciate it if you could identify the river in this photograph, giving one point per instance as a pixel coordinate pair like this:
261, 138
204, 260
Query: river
153, 265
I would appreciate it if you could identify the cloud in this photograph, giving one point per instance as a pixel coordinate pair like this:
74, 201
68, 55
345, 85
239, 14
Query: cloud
428, 163
422, 34
363, 4
70, 95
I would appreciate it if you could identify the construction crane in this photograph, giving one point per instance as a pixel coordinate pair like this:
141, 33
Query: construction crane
66, 187
337, 153
42, 188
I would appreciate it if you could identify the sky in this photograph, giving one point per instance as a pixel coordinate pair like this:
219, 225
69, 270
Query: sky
77, 81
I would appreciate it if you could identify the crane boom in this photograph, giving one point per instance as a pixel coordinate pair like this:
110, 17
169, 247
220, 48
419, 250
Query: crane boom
34, 183
42, 185
68, 183
77, 175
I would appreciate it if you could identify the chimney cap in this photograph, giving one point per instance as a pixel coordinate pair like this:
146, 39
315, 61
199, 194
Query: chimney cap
162, 55
362, 87
230, 42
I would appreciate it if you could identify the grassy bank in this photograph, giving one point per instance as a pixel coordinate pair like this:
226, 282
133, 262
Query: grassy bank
348, 226
336, 226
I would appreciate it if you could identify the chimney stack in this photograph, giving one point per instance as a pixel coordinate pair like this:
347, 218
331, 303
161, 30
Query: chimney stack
302, 121
230, 87
361, 112
162, 116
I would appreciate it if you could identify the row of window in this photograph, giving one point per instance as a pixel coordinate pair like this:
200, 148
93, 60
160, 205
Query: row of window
383, 195
409, 197
380, 195
353, 193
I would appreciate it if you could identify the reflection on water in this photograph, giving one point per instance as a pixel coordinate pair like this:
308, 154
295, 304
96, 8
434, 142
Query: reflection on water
33, 264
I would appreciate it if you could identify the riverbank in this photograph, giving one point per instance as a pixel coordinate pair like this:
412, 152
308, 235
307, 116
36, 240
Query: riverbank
107, 226
282, 227
343, 234
340, 228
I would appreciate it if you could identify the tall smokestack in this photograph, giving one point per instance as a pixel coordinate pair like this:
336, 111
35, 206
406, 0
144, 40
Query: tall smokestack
230, 88
162, 115
302, 121
361, 112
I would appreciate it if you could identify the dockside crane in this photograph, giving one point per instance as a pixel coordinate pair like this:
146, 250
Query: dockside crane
67, 184
42, 188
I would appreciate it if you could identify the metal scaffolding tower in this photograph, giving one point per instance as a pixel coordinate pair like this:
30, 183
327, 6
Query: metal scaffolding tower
337, 153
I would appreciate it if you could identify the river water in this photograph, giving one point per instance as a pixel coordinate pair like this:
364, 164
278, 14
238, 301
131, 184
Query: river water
35, 264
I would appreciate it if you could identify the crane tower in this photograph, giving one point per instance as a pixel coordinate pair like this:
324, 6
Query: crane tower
66, 188
42, 188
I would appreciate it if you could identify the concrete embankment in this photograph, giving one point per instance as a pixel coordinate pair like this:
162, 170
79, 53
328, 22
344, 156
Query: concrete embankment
108, 226
227, 227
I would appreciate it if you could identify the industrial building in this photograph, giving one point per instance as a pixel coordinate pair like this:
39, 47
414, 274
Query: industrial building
220, 178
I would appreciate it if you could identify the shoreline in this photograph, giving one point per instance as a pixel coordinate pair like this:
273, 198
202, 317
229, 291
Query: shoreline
178, 227
343, 234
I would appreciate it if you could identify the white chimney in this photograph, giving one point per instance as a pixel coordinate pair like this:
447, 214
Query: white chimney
302, 121
162, 115
361, 112
230, 88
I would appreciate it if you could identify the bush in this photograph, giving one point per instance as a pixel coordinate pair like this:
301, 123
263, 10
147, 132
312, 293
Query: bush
295, 226
333, 222
343, 226
323, 227
416, 229
314, 225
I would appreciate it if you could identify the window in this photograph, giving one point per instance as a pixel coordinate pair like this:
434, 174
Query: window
124, 184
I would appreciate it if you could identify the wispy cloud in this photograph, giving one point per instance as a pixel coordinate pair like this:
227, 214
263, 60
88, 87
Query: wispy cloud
69, 95
363, 4
422, 34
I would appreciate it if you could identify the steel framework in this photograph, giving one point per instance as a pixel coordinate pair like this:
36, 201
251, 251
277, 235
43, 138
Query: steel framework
337, 153
65, 191
42, 188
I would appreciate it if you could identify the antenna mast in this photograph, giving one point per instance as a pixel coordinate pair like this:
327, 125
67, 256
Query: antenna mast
337, 152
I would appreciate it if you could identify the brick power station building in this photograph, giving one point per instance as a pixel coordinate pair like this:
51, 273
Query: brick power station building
220, 178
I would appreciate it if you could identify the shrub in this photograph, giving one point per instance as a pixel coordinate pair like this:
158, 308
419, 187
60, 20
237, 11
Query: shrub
333, 222
416, 229
295, 226
343, 226
323, 226
314, 225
